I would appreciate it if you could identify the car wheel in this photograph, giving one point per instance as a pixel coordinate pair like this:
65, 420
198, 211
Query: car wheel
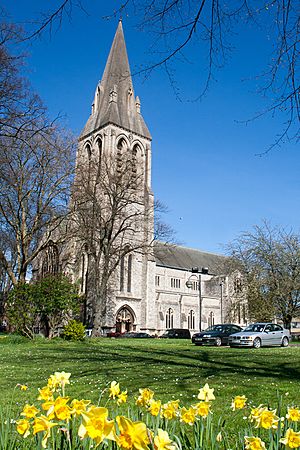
257, 343
285, 342
218, 342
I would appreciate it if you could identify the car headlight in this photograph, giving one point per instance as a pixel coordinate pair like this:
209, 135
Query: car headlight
248, 338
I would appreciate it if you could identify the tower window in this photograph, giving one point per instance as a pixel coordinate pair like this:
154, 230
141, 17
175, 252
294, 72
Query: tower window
169, 318
129, 273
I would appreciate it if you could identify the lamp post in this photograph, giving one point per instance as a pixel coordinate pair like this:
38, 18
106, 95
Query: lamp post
189, 284
221, 298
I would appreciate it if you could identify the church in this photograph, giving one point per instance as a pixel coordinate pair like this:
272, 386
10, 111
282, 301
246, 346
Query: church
130, 279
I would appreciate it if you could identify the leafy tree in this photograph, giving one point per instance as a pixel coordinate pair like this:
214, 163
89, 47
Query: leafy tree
47, 304
269, 260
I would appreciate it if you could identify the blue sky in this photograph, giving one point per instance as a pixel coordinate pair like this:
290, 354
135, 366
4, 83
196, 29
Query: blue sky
205, 163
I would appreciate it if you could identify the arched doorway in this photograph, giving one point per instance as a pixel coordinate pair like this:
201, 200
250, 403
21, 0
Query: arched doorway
125, 320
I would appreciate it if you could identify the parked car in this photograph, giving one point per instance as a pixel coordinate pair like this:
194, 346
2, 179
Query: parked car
134, 334
259, 334
216, 334
177, 333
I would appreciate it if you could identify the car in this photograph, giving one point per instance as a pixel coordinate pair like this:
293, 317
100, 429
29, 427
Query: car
177, 333
134, 334
216, 334
261, 334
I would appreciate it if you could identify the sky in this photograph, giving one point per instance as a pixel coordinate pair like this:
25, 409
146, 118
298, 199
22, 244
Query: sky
209, 165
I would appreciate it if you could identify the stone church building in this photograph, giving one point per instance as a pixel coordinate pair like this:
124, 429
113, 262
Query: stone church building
157, 286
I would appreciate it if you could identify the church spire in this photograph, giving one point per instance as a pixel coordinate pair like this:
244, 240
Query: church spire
114, 97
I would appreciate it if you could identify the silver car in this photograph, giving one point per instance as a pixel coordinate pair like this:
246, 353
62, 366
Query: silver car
258, 334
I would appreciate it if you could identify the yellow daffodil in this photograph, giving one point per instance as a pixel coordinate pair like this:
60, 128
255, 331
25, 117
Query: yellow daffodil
267, 419
202, 409
163, 442
145, 396
239, 402
256, 412
43, 424
169, 410
96, 426
79, 406
206, 393
114, 389
29, 411
122, 397
59, 379
293, 414
58, 408
22, 387
132, 435
45, 394
154, 407
23, 427
254, 443
291, 439
219, 437
188, 415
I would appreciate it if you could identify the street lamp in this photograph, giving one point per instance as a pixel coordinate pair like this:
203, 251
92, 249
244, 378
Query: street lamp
221, 302
189, 284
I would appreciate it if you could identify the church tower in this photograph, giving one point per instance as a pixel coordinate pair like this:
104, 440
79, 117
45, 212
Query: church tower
114, 156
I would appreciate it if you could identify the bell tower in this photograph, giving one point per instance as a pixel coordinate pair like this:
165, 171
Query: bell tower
117, 140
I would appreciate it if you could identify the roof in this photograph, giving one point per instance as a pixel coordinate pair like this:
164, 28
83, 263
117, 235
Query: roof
114, 98
184, 258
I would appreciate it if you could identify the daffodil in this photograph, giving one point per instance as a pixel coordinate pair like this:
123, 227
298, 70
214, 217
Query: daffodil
239, 402
23, 427
96, 426
59, 379
41, 424
202, 409
132, 435
188, 415
169, 410
206, 393
219, 437
46, 394
256, 412
145, 396
122, 397
293, 414
29, 411
162, 441
291, 439
58, 408
267, 419
114, 389
23, 387
154, 407
254, 443
79, 406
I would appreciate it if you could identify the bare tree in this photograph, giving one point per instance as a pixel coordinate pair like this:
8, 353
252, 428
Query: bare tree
269, 260
36, 164
113, 218
178, 24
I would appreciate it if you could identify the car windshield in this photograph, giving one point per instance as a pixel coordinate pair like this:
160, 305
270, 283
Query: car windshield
256, 327
215, 328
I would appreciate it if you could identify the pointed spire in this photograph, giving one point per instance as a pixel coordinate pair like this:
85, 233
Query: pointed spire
114, 99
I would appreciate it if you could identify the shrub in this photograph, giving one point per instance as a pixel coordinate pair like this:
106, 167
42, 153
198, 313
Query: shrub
74, 331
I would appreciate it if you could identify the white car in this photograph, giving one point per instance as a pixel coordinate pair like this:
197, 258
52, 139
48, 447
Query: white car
259, 334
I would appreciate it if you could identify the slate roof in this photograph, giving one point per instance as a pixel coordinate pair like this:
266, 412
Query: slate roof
178, 257
116, 101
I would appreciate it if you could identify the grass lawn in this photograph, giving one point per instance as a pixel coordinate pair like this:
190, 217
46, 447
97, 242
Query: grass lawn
173, 369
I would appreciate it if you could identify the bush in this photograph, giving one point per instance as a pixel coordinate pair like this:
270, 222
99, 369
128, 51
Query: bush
74, 331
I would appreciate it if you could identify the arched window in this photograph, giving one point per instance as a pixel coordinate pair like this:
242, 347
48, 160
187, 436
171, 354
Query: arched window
129, 271
169, 318
88, 150
122, 273
191, 320
50, 262
99, 147
121, 147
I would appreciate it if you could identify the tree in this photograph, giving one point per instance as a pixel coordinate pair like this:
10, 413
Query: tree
113, 218
269, 260
36, 166
210, 24
46, 304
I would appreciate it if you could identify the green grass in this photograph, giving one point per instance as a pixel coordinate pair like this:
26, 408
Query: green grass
173, 369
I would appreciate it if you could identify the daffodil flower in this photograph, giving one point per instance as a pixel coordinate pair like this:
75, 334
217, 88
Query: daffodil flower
254, 443
291, 439
132, 435
162, 441
239, 402
206, 393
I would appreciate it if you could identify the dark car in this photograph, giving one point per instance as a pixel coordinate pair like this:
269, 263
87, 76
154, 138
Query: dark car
177, 333
216, 335
134, 334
